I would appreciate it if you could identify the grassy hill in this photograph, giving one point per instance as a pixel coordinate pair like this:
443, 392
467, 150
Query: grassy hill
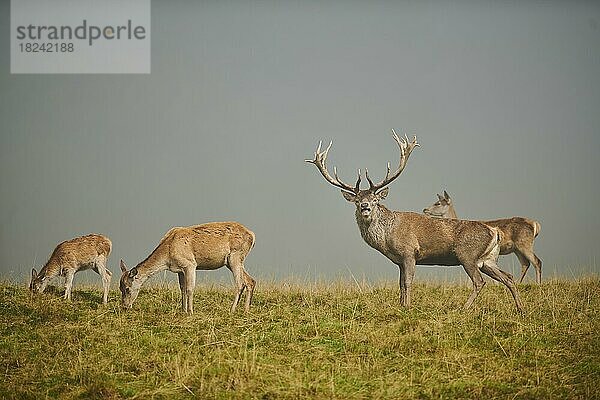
299, 341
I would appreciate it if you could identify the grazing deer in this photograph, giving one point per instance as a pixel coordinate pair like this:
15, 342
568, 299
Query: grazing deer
71, 256
519, 234
407, 238
184, 250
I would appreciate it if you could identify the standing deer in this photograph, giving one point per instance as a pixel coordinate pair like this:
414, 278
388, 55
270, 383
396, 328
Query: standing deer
407, 238
519, 234
71, 256
184, 250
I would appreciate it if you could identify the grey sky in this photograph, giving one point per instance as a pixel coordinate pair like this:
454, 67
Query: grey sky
504, 98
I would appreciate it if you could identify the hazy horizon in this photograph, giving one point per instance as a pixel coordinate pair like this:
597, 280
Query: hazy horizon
503, 98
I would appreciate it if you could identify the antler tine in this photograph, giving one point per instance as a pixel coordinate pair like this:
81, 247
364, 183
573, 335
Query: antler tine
406, 149
320, 161
357, 185
371, 184
358, 179
327, 150
395, 135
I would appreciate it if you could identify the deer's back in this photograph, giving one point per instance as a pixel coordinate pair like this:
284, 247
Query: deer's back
78, 252
209, 244
516, 230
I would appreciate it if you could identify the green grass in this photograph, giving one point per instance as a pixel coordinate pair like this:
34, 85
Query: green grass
316, 341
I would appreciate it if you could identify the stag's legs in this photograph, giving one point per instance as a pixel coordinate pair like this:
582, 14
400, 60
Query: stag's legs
491, 269
70, 274
182, 288
106, 275
401, 274
478, 282
407, 273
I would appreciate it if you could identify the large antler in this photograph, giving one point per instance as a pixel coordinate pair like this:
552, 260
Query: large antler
406, 148
320, 162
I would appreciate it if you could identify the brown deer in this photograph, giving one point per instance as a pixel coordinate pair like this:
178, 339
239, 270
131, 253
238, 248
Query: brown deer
408, 238
519, 234
84, 252
208, 246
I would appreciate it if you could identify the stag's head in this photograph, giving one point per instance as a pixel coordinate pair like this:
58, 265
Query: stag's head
442, 208
37, 283
130, 285
367, 200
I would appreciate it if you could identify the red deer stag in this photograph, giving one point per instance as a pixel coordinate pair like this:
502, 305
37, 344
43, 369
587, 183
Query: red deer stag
408, 238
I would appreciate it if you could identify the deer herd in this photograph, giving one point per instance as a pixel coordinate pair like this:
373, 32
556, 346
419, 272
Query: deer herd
407, 239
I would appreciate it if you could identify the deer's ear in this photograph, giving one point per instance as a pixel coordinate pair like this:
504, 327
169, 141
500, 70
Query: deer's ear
123, 266
33, 273
446, 195
349, 196
383, 194
440, 198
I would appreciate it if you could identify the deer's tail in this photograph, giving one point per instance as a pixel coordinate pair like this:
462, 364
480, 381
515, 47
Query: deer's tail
104, 246
493, 248
536, 228
253, 240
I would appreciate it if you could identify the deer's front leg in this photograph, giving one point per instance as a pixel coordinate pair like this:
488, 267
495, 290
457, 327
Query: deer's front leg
401, 274
190, 282
409, 274
406, 266
69, 283
182, 288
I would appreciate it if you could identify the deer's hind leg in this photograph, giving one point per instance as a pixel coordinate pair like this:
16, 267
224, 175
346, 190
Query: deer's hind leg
242, 280
524, 265
105, 274
527, 257
250, 284
491, 269
537, 264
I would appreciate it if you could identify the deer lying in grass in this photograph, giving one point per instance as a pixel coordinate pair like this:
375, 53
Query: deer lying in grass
519, 234
85, 252
184, 250
407, 238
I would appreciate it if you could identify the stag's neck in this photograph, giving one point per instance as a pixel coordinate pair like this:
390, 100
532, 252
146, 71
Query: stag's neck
375, 230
